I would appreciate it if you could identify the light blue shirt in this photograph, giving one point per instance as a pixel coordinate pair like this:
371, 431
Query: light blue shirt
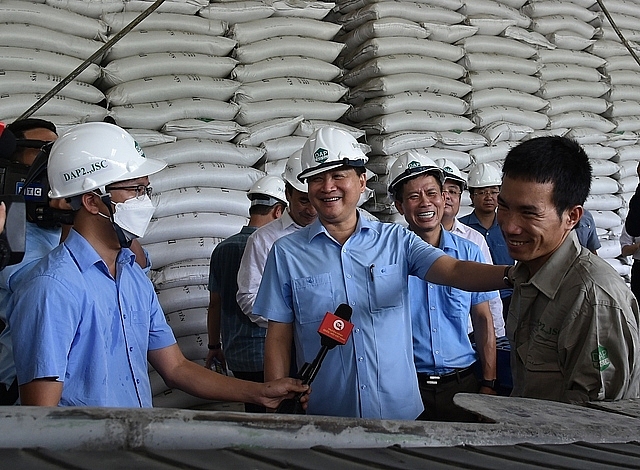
71, 320
39, 242
308, 274
440, 315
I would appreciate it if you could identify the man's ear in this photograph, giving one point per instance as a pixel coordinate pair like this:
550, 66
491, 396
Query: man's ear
278, 210
398, 205
91, 202
574, 215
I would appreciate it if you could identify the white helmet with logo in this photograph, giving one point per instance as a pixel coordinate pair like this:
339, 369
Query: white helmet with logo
292, 170
484, 175
93, 155
329, 148
411, 164
267, 191
452, 172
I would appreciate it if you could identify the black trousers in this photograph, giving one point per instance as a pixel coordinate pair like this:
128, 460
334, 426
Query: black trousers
252, 377
438, 398
9, 395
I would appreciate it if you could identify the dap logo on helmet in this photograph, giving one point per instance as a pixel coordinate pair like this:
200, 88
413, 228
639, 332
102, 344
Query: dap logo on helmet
413, 164
321, 155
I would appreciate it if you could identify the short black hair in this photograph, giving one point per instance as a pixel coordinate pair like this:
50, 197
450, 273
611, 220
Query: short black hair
557, 160
20, 126
261, 209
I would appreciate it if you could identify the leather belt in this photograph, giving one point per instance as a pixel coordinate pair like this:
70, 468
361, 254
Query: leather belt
456, 375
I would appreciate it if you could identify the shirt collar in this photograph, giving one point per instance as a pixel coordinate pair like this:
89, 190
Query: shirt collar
287, 221
549, 277
363, 223
446, 240
85, 256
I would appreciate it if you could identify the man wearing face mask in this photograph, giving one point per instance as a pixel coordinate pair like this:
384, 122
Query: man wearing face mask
87, 319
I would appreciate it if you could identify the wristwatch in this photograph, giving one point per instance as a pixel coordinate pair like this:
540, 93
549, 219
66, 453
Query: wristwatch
213, 347
492, 384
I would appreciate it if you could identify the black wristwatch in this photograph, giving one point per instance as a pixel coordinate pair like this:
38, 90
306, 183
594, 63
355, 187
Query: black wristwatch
213, 347
492, 384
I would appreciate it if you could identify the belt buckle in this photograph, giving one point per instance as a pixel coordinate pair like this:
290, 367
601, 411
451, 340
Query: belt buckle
433, 380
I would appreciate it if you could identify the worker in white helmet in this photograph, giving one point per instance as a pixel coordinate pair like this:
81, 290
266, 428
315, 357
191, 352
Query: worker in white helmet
87, 319
445, 360
342, 258
234, 340
299, 214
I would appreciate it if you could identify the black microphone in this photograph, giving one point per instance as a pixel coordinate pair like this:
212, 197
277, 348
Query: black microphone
334, 330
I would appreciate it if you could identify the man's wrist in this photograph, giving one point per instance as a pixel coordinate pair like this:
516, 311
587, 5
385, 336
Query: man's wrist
214, 347
506, 278
492, 384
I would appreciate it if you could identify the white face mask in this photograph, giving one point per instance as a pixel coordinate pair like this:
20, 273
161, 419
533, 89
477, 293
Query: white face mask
133, 215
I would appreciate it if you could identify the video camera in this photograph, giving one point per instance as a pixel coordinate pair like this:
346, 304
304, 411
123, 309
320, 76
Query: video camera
25, 191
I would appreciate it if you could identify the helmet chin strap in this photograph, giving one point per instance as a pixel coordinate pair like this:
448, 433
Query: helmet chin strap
122, 238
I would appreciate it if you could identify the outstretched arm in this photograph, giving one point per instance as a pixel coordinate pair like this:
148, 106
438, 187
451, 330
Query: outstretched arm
178, 372
467, 275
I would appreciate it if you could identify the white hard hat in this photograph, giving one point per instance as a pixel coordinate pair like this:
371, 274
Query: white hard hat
483, 175
93, 155
271, 188
451, 172
411, 164
292, 170
328, 148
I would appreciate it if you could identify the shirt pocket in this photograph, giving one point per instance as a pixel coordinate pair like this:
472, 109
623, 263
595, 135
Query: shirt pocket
386, 287
542, 356
313, 297
139, 317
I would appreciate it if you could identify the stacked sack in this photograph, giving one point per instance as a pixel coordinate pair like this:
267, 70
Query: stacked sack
39, 46
285, 57
404, 87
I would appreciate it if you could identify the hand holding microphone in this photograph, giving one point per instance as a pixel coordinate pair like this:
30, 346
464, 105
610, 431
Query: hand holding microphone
334, 330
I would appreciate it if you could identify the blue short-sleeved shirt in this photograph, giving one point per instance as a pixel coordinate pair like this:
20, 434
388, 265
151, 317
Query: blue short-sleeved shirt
440, 315
495, 240
39, 242
308, 274
243, 340
71, 320
586, 231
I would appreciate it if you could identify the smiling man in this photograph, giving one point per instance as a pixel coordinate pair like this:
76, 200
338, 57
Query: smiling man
573, 323
344, 258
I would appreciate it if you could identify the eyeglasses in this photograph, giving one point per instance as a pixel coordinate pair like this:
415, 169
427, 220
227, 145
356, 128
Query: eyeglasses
486, 192
141, 190
453, 192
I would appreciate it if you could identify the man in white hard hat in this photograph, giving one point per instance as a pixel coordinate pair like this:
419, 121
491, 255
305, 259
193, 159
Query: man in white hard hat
573, 323
235, 340
344, 258
484, 186
299, 213
444, 357
87, 319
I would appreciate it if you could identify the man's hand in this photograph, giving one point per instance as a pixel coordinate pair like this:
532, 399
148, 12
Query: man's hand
215, 354
277, 390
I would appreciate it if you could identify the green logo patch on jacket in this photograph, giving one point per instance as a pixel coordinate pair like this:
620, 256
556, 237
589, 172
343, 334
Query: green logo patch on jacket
600, 358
